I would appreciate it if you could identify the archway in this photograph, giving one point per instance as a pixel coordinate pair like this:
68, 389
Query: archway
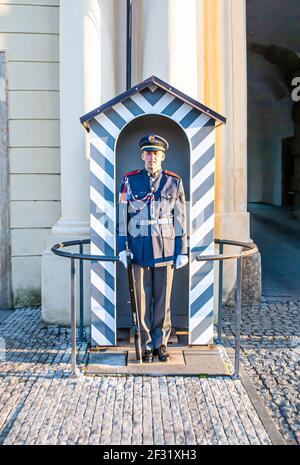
273, 142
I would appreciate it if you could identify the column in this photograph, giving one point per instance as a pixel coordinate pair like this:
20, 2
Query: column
86, 81
170, 49
5, 240
226, 92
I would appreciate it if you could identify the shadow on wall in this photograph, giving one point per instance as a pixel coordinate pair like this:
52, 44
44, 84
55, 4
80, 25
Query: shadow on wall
273, 61
287, 66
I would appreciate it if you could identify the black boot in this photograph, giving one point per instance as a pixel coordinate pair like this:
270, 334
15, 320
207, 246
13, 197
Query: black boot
162, 353
147, 356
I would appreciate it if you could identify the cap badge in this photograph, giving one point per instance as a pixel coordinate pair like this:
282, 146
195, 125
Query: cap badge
151, 139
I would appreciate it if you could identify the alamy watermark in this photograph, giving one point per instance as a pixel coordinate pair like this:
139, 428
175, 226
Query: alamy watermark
296, 90
176, 221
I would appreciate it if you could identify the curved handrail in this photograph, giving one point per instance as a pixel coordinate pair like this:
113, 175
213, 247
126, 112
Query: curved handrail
251, 249
80, 256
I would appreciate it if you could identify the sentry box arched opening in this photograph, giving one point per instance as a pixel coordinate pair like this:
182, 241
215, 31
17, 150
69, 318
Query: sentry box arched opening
177, 160
115, 127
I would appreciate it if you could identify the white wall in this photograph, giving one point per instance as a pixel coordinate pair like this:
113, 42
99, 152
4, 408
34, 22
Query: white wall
29, 32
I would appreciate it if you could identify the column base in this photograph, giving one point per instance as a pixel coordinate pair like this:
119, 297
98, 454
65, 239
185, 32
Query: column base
251, 282
56, 275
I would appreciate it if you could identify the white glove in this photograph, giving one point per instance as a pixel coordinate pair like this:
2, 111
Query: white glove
181, 261
123, 257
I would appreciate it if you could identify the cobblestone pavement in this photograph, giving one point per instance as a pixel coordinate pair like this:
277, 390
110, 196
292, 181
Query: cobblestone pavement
41, 404
270, 342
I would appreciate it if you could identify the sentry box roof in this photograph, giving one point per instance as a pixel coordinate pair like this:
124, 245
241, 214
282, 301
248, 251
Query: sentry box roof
145, 88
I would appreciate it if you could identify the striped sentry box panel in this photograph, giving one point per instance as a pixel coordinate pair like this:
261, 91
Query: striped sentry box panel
104, 131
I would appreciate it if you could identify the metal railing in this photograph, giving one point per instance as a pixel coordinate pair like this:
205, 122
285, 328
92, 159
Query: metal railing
78, 256
250, 250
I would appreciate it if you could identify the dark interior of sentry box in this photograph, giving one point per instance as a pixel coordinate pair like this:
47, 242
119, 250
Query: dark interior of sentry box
128, 158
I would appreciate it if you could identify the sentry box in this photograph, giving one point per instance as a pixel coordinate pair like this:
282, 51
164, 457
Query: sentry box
153, 106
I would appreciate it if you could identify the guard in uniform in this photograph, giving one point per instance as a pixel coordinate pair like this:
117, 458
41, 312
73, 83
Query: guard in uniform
152, 223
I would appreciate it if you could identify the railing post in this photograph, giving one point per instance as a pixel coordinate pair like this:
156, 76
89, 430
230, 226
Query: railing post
81, 293
219, 339
238, 319
75, 371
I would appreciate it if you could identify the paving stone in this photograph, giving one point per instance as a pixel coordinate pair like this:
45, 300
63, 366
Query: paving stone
185, 414
40, 403
127, 411
166, 412
222, 408
90, 433
213, 411
196, 415
147, 412
108, 412
211, 424
117, 423
235, 415
158, 427
273, 361
178, 429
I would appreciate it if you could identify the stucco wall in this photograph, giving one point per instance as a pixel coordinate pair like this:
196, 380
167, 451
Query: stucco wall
29, 32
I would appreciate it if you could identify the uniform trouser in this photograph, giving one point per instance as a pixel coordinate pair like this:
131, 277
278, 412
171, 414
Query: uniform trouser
153, 291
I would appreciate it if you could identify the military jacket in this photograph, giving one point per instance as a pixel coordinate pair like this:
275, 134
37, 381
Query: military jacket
151, 217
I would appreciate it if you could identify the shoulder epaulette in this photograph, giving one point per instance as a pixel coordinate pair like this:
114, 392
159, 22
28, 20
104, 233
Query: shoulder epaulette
171, 173
131, 173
